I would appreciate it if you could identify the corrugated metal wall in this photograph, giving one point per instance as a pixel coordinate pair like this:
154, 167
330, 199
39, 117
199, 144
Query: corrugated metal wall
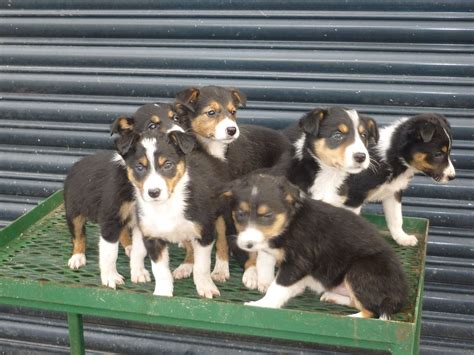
70, 67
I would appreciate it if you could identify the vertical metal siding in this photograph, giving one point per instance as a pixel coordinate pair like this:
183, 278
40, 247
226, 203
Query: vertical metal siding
68, 68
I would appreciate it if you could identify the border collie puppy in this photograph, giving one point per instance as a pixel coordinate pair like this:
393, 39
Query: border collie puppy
97, 190
176, 190
316, 245
329, 144
210, 113
418, 144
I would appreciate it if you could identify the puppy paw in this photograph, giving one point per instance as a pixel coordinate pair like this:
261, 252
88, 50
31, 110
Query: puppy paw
263, 286
77, 260
221, 271
128, 250
183, 271
250, 278
163, 290
331, 297
260, 303
111, 279
206, 288
328, 297
384, 317
140, 275
405, 239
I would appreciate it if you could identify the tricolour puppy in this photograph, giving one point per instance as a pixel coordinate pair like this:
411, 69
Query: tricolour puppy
421, 144
317, 245
210, 113
329, 144
97, 190
175, 189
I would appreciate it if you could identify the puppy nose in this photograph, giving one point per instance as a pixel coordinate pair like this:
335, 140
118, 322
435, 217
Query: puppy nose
231, 131
154, 193
451, 177
249, 245
359, 157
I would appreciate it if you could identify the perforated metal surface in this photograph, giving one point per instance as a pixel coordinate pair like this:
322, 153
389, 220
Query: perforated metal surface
42, 252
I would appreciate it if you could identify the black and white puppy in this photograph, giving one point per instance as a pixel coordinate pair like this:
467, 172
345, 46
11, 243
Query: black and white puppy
211, 114
421, 144
175, 190
317, 246
329, 144
97, 190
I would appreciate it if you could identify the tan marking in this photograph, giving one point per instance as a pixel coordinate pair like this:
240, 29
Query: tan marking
131, 177
126, 211
331, 157
189, 258
444, 149
155, 119
222, 249
356, 303
420, 163
289, 198
124, 125
79, 238
227, 194
251, 261
321, 115
276, 228
343, 128
144, 161
244, 206
124, 237
231, 108
161, 160
171, 182
263, 209
170, 114
204, 125
361, 129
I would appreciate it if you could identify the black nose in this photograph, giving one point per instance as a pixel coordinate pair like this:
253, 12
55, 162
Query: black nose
249, 245
154, 193
231, 130
451, 177
359, 157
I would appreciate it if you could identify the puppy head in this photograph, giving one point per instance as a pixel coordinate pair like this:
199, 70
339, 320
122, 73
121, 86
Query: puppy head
262, 208
338, 138
427, 144
155, 162
157, 116
212, 111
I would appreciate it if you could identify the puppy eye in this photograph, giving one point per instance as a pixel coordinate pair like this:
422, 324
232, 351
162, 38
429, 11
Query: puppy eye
337, 135
364, 135
438, 154
211, 113
267, 216
168, 165
240, 214
152, 125
139, 168
233, 112
175, 118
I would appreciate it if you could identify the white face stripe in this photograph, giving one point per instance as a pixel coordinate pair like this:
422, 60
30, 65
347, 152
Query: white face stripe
254, 192
153, 180
175, 127
449, 139
150, 147
357, 147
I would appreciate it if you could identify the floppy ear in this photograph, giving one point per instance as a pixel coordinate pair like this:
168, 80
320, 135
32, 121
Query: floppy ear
309, 123
293, 195
188, 97
240, 99
427, 131
185, 142
372, 127
126, 142
122, 125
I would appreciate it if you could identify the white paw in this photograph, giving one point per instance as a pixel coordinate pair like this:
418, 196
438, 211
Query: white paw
260, 303
163, 289
140, 275
111, 278
356, 315
77, 260
405, 239
183, 271
263, 285
250, 278
221, 271
128, 250
384, 317
206, 288
327, 297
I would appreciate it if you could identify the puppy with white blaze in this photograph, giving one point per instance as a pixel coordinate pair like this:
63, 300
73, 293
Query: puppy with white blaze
420, 144
317, 246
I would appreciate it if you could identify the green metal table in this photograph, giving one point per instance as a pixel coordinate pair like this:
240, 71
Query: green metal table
33, 273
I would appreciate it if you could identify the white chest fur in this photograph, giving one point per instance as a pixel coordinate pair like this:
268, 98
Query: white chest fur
167, 220
326, 185
389, 188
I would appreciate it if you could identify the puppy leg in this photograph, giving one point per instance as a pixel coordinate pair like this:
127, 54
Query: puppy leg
338, 295
126, 242
392, 208
364, 313
108, 252
202, 270
185, 269
221, 268
158, 252
138, 273
250, 277
77, 228
265, 270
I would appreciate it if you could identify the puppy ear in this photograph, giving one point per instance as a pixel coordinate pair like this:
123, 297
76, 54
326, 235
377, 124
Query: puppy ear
293, 195
427, 131
185, 142
126, 142
240, 99
310, 122
122, 125
372, 127
188, 97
